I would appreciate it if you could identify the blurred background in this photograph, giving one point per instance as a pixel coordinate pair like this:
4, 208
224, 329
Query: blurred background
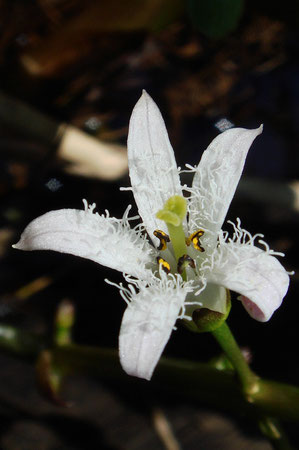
71, 72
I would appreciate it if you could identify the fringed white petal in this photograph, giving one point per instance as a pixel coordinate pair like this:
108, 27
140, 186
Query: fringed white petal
105, 240
152, 166
148, 322
216, 179
254, 273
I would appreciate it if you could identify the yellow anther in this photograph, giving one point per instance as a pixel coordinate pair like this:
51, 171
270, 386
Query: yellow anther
195, 239
164, 238
185, 261
165, 265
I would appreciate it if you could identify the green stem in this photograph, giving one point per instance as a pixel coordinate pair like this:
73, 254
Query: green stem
226, 340
270, 427
64, 321
199, 382
273, 431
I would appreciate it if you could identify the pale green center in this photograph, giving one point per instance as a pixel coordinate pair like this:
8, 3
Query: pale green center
173, 214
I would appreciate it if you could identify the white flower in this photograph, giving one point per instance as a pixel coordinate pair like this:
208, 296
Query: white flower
156, 299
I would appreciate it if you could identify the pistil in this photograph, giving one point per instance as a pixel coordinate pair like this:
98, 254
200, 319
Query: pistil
173, 214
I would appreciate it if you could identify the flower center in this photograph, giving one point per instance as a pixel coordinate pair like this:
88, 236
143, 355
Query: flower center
174, 214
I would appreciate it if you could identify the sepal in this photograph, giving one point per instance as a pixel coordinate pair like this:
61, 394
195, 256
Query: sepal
205, 320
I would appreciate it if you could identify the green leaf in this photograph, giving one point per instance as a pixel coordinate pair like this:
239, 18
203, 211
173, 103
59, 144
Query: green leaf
215, 18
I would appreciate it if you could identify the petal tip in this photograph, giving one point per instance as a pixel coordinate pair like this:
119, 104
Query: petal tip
144, 97
138, 374
23, 243
18, 245
260, 129
139, 370
254, 131
253, 309
145, 101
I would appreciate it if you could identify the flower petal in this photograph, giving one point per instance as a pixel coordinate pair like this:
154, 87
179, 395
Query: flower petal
216, 180
147, 325
105, 240
214, 297
152, 166
254, 273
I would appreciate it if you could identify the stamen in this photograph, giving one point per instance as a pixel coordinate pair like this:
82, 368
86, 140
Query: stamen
185, 261
164, 264
164, 238
194, 238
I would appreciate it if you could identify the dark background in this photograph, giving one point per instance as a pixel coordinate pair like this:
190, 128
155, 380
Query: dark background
89, 62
